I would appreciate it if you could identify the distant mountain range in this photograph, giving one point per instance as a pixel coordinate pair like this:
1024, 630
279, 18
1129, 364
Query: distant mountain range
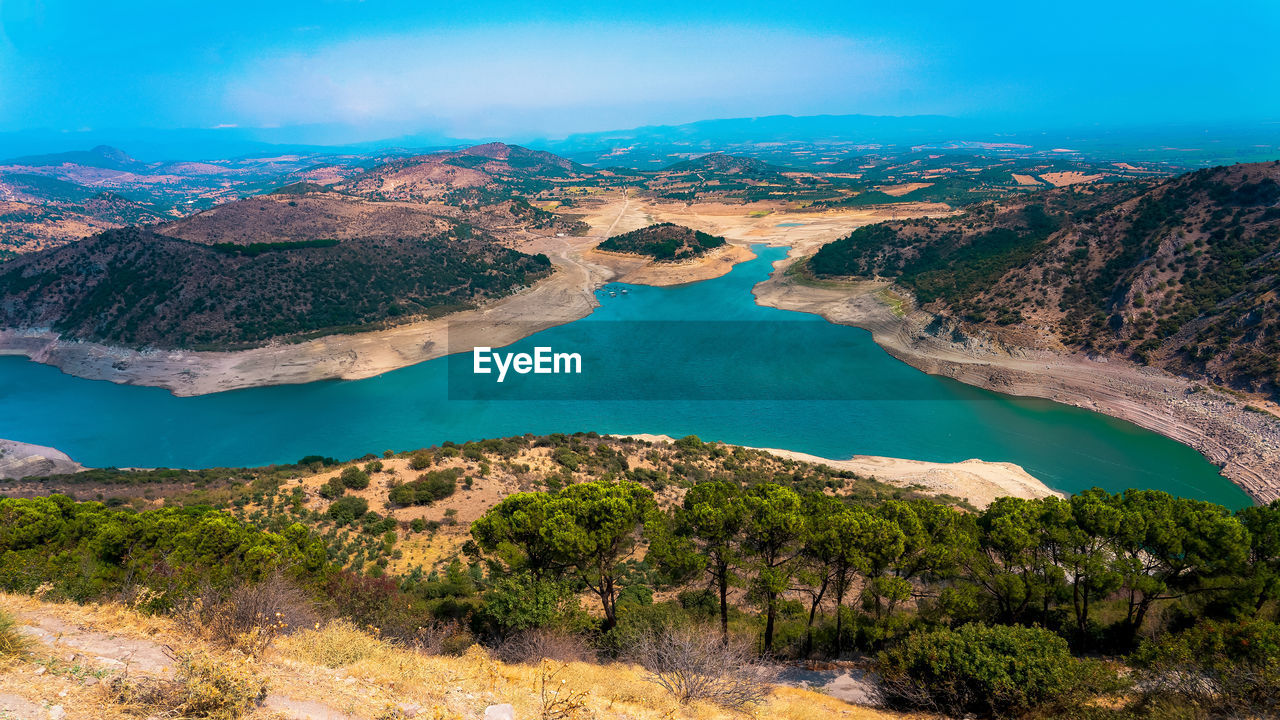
650, 147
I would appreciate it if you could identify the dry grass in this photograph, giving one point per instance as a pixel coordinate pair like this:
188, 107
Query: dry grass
352, 670
205, 686
14, 644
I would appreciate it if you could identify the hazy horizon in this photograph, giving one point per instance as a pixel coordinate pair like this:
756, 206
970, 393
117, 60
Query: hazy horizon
341, 72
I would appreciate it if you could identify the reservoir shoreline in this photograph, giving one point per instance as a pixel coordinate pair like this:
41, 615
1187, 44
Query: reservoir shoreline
1244, 444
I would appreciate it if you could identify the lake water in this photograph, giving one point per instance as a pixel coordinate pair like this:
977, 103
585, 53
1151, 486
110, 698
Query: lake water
698, 359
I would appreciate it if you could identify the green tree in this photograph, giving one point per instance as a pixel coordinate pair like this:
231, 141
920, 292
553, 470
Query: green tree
590, 527
703, 536
831, 556
513, 532
1013, 565
1084, 542
593, 527
1262, 578
772, 541
1173, 547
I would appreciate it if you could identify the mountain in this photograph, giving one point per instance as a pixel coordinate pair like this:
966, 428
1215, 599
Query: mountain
300, 216
479, 174
257, 270
724, 164
1180, 273
102, 156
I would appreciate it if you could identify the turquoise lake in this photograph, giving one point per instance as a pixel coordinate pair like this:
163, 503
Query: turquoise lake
699, 359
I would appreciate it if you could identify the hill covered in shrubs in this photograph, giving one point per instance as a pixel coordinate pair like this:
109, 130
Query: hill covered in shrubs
665, 242
1177, 273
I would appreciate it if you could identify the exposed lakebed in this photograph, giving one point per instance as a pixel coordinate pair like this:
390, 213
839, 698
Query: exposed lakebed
698, 359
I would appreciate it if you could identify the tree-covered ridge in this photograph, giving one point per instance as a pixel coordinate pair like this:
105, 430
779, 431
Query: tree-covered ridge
1179, 274
666, 242
136, 288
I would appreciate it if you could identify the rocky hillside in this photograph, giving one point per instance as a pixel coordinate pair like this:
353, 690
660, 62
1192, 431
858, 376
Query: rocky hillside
477, 175
1179, 273
138, 288
295, 216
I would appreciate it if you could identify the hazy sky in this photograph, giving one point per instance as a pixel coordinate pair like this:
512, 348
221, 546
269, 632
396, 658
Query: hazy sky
379, 68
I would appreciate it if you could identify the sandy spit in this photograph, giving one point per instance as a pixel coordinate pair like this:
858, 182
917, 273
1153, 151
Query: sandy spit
978, 481
1244, 444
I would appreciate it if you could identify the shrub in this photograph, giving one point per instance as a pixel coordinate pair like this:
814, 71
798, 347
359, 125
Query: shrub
520, 602
337, 644
332, 489
14, 643
347, 509
538, 644
420, 460
249, 617
355, 478
428, 488
987, 670
203, 687
694, 664
373, 466
1221, 669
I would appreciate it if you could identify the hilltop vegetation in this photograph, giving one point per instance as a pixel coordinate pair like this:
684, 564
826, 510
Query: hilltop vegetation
1178, 273
665, 242
602, 545
135, 287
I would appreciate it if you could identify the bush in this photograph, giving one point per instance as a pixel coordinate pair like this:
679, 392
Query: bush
988, 670
428, 488
354, 478
249, 617
338, 644
420, 460
518, 602
332, 489
1220, 669
347, 509
693, 664
533, 646
14, 643
203, 687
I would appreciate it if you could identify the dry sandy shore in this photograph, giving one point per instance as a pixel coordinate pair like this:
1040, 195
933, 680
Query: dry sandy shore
1245, 444
978, 481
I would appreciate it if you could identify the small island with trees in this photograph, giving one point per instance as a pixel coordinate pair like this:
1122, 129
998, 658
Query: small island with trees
665, 242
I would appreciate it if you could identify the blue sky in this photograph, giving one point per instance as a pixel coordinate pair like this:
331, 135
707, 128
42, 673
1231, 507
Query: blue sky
380, 68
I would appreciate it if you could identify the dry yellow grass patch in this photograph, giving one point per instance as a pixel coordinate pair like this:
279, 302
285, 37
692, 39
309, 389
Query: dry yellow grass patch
903, 189
1063, 179
1025, 179
453, 686
352, 670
